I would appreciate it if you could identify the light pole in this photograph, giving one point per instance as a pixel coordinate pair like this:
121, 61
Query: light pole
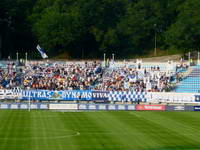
189, 58
113, 56
26, 58
104, 59
124, 63
198, 58
155, 40
17, 56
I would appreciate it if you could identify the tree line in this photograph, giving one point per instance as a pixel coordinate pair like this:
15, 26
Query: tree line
89, 28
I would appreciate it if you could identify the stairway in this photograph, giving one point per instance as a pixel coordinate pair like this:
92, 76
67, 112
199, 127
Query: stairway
191, 83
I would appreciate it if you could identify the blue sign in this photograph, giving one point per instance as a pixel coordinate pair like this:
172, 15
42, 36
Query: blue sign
196, 108
63, 95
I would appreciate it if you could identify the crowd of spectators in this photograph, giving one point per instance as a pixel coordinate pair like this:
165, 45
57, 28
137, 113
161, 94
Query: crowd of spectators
133, 79
85, 76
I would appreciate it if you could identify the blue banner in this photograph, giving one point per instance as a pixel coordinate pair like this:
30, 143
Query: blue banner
196, 108
64, 95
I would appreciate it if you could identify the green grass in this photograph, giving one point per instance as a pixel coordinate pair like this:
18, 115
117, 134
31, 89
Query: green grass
123, 130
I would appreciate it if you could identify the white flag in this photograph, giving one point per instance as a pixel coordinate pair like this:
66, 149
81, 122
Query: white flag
41, 50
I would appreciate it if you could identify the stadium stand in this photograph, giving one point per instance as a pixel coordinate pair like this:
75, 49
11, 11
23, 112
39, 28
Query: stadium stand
60, 75
191, 83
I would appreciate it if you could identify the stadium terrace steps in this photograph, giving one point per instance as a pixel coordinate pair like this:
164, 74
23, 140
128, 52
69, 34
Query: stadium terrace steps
191, 83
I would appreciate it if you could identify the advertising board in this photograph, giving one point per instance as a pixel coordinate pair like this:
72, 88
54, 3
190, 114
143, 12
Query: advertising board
189, 108
4, 106
82, 107
14, 106
92, 107
63, 106
196, 108
120, 107
151, 107
111, 107
43, 106
102, 107
131, 107
2, 94
34, 106
23, 106
179, 108
175, 108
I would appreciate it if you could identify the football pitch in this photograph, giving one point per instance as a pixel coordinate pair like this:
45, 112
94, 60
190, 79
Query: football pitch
103, 130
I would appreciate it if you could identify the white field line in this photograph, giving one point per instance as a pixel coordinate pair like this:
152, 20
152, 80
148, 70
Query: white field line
65, 135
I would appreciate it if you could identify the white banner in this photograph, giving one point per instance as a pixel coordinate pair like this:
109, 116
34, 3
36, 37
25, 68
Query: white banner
169, 97
63, 106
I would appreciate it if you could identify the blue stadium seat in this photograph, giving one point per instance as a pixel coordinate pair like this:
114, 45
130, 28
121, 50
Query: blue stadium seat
191, 84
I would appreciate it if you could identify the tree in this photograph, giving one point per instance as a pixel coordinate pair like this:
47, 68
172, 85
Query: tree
15, 32
138, 25
101, 19
184, 34
93, 27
